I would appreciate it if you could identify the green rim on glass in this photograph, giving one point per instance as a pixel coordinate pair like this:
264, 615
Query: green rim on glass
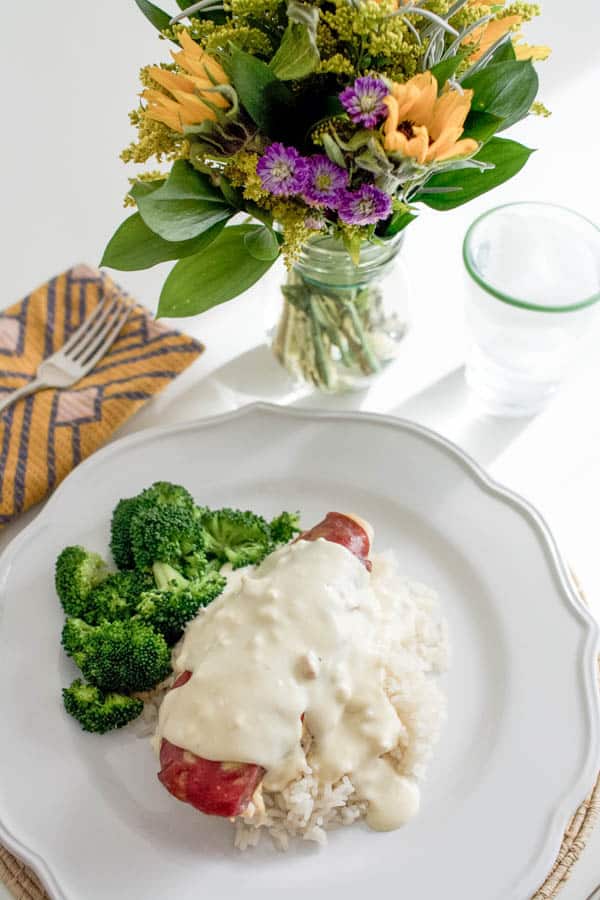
513, 301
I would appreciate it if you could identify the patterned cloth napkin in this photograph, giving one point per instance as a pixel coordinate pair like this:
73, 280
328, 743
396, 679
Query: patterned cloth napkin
43, 436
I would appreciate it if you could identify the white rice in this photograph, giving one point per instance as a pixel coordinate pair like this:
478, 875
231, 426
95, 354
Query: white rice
307, 808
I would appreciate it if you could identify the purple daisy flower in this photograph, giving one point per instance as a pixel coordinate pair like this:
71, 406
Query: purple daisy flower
363, 101
325, 181
365, 206
282, 170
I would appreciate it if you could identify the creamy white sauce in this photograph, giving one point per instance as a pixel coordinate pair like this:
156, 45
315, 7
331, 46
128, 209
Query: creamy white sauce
304, 633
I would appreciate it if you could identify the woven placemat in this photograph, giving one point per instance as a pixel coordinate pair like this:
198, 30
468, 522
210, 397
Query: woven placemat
24, 885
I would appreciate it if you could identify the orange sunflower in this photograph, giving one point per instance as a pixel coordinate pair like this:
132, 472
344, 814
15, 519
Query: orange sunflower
424, 126
189, 91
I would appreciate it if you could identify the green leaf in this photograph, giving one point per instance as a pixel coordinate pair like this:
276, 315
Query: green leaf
133, 246
257, 212
352, 243
505, 89
297, 55
447, 67
265, 98
143, 188
304, 13
218, 16
262, 244
333, 150
217, 274
158, 17
398, 223
184, 206
463, 185
481, 126
233, 196
504, 53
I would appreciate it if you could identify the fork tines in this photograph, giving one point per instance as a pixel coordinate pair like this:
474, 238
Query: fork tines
99, 330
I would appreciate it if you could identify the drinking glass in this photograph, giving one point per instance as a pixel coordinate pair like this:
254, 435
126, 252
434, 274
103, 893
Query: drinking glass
533, 285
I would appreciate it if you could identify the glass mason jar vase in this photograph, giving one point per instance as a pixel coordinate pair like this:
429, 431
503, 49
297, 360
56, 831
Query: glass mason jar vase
341, 323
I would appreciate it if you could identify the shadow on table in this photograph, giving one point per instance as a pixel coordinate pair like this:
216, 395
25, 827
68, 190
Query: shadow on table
257, 374
446, 406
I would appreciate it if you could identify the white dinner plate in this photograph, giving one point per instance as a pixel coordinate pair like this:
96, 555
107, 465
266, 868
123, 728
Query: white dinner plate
519, 752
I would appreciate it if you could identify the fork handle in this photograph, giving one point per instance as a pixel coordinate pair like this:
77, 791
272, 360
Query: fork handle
35, 385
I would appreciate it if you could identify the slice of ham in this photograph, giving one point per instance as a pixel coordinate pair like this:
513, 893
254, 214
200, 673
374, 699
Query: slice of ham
215, 788
342, 529
226, 788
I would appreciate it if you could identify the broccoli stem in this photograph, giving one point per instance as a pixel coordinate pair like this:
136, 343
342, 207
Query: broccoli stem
166, 577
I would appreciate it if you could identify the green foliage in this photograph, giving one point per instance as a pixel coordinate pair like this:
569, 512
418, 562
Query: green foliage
462, 185
447, 68
333, 150
134, 246
481, 126
297, 55
218, 16
236, 537
265, 98
504, 53
77, 573
122, 656
287, 61
142, 188
398, 222
154, 14
357, 38
208, 278
97, 712
185, 206
505, 89
262, 244
233, 196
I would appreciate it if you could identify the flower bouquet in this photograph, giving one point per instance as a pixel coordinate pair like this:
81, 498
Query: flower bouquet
316, 131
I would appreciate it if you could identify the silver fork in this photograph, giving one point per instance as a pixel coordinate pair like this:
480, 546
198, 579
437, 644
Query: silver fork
80, 353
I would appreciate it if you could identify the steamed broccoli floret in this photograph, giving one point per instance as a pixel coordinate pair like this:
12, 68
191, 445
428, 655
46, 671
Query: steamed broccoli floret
74, 635
170, 535
176, 600
284, 527
118, 656
98, 712
77, 573
162, 493
240, 538
120, 532
117, 596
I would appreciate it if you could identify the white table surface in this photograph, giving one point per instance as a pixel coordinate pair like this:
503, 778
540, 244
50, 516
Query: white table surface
69, 74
